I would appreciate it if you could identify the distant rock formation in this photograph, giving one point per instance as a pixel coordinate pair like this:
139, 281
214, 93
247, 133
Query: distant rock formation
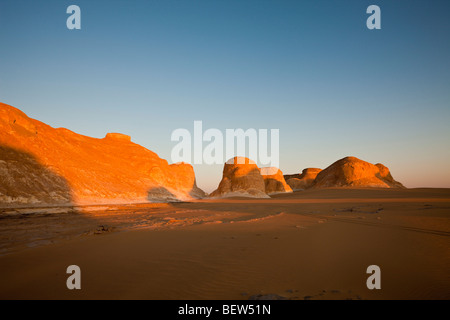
274, 181
353, 172
241, 177
302, 181
43, 165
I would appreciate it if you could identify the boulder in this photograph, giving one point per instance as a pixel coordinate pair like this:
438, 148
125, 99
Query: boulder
353, 172
274, 181
304, 180
241, 177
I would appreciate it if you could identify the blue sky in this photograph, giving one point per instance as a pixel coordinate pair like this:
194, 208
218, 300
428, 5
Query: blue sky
308, 68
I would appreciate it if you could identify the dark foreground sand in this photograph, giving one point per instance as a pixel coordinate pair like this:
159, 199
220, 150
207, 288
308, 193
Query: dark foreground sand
305, 245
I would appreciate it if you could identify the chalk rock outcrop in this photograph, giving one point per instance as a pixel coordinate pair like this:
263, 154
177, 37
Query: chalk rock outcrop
353, 172
43, 165
304, 180
118, 136
241, 177
274, 180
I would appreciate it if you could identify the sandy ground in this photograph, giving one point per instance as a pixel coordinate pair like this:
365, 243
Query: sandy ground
307, 245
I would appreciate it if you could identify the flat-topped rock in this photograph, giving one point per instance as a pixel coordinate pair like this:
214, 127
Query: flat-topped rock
117, 136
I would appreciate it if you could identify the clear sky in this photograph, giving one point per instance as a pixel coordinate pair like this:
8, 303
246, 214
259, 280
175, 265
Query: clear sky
309, 68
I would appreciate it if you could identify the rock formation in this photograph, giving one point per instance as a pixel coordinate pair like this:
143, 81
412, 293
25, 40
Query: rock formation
43, 165
302, 181
274, 181
353, 172
241, 177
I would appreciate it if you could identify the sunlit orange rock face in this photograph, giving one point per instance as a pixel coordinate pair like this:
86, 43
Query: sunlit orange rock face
274, 181
302, 181
43, 165
353, 172
241, 177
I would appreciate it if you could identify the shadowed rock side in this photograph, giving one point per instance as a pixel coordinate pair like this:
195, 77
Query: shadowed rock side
353, 172
302, 181
274, 181
241, 177
108, 170
23, 180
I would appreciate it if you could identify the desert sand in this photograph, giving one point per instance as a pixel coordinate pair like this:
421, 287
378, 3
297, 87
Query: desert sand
313, 244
